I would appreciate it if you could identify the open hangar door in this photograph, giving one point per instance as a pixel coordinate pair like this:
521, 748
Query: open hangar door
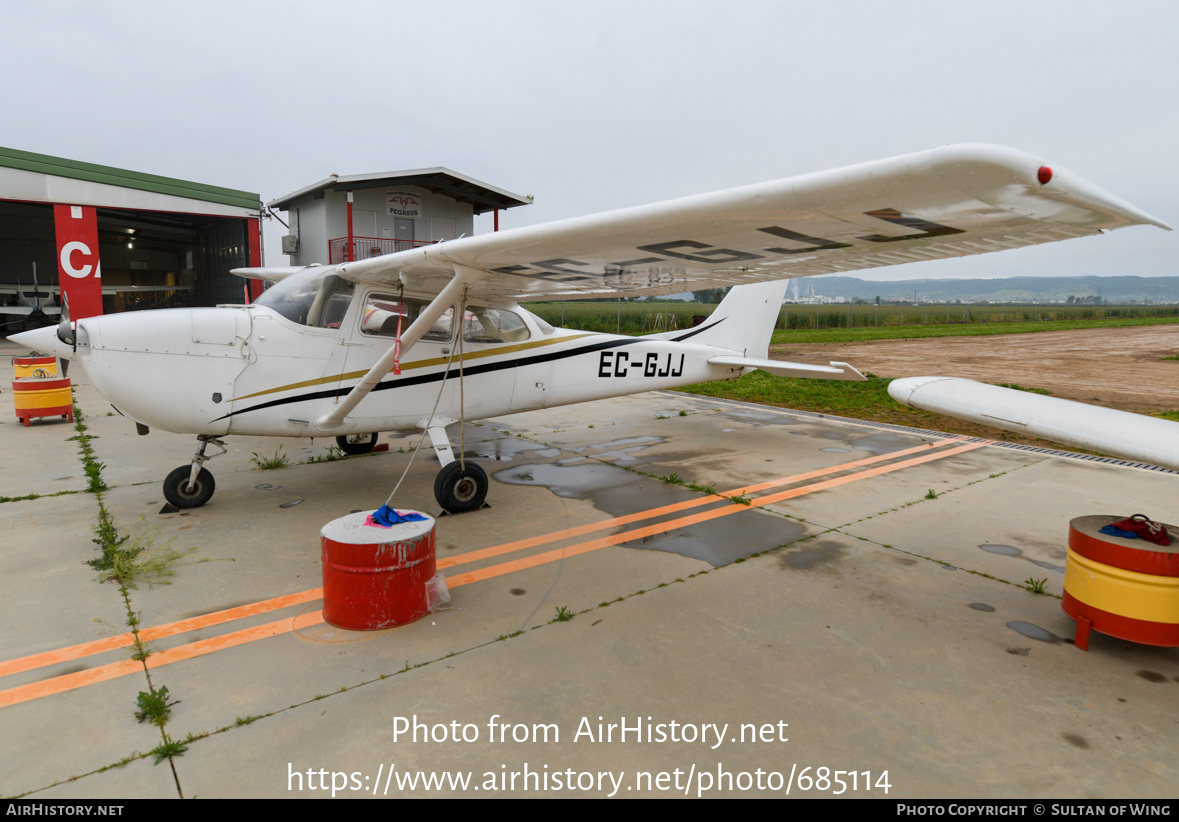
149, 259
158, 260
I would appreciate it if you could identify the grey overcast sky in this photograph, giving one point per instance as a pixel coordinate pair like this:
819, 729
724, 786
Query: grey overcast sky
591, 106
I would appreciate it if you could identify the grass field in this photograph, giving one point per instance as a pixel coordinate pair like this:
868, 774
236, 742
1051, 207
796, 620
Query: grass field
843, 323
858, 400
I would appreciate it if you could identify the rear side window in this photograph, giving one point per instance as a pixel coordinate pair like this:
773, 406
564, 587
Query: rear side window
493, 325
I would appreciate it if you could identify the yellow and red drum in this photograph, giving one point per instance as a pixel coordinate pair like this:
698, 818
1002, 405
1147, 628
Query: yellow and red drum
47, 396
29, 365
1127, 588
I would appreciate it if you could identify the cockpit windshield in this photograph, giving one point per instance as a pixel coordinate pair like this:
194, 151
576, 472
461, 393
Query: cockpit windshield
315, 297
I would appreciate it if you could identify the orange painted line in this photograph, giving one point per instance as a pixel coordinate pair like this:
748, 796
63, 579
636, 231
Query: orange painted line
102, 673
68, 682
872, 472
231, 640
530, 542
468, 577
99, 646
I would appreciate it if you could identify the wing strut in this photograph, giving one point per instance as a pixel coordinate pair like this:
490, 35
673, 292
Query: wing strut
463, 277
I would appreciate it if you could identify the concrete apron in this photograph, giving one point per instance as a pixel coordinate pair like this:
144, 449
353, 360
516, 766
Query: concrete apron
874, 631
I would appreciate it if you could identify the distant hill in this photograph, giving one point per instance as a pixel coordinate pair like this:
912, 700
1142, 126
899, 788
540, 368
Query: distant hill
1023, 289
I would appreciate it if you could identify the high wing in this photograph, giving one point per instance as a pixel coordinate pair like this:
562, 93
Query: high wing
947, 202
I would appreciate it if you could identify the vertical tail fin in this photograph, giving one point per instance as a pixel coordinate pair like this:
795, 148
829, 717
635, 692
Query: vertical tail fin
743, 322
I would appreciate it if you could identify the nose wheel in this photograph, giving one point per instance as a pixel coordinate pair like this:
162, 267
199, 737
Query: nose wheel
460, 488
182, 494
191, 486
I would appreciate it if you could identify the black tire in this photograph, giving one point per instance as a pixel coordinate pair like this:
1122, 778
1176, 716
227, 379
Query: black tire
353, 444
176, 488
458, 491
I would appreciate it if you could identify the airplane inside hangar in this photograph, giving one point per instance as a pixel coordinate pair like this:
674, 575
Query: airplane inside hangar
161, 241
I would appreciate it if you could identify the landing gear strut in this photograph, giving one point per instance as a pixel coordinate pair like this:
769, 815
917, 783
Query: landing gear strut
191, 486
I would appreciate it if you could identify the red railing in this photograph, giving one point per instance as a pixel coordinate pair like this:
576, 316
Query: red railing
365, 247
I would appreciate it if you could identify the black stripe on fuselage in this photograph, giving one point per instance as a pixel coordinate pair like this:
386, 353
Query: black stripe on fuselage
699, 330
468, 370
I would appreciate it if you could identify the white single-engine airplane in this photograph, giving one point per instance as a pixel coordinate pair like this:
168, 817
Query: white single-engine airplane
423, 338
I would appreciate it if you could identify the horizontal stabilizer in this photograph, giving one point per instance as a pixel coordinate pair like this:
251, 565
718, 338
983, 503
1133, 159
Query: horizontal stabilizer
781, 368
271, 274
1117, 433
25, 310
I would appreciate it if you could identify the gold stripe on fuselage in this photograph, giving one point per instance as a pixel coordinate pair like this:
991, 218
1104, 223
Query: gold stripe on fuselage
355, 375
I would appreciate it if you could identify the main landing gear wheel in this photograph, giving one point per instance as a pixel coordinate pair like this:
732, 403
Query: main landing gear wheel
176, 489
357, 443
458, 491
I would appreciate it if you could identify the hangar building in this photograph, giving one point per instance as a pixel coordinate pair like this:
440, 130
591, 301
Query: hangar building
161, 241
358, 216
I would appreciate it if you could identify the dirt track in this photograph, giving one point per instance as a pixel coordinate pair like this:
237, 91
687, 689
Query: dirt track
1115, 367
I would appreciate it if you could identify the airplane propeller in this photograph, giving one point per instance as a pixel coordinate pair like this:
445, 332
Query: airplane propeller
66, 333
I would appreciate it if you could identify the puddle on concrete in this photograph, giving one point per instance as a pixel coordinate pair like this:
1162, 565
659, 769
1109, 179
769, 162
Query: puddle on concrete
981, 606
267, 487
644, 441
503, 450
948, 567
810, 555
835, 450
618, 492
621, 450
755, 418
882, 443
1012, 551
569, 481
292, 503
1033, 631
620, 454
795, 433
549, 453
719, 543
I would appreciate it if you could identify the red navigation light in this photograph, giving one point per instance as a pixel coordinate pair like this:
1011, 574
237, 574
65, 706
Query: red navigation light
1044, 175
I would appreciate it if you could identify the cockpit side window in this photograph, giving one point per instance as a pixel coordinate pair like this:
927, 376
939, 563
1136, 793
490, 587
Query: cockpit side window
382, 311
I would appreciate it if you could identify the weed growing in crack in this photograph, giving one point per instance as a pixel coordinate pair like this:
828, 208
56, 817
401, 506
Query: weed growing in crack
265, 463
154, 706
167, 750
333, 453
1036, 586
135, 557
